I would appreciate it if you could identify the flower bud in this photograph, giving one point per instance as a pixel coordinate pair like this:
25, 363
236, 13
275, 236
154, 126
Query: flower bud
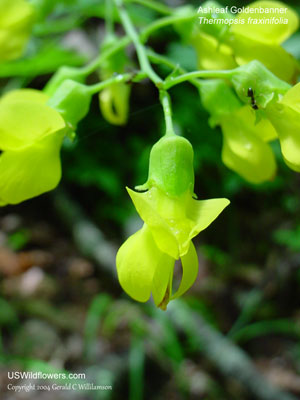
72, 101
171, 166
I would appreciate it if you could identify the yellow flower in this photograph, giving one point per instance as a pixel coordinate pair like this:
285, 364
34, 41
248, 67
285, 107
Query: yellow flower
172, 218
16, 18
254, 39
31, 134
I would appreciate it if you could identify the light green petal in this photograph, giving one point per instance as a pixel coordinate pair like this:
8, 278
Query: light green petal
30, 95
287, 123
204, 212
146, 205
114, 103
16, 18
189, 271
14, 12
292, 98
263, 129
245, 153
137, 260
31, 171
274, 57
162, 282
23, 122
267, 32
212, 55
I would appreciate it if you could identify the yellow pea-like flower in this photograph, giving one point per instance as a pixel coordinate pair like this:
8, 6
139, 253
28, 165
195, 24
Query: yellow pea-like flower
31, 135
16, 19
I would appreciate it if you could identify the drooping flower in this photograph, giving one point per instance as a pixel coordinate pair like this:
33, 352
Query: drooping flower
172, 218
31, 135
245, 147
249, 37
16, 19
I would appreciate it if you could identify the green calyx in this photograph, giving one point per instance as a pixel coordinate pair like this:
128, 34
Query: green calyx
171, 166
60, 76
264, 85
72, 101
218, 99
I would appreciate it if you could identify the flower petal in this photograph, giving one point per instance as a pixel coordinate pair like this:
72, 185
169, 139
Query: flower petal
204, 212
23, 122
189, 271
287, 123
137, 260
245, 153
211, 54
267, 32
292, 98
27, 94
162, 282
274, 57
31, 171
146, 206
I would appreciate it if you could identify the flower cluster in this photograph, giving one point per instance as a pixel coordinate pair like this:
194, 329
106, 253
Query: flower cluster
226, 46
271, 112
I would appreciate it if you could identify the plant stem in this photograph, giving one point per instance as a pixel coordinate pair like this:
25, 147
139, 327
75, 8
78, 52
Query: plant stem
141, 52
154, 5
109, 22
167, 107
136, 77
163, 22
197, 74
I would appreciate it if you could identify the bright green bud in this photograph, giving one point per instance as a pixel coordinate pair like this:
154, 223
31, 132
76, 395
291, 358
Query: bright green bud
171, 166
172, 217
60, 76
16, 19
72, 101
266, 87
114, 103
114, 100
31, 134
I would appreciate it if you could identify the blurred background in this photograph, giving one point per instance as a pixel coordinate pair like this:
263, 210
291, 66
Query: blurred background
61, 307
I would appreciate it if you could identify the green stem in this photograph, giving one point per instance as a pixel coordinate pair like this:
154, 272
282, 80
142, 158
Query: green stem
141, 52
109, 22
159, 59
154, 5
163, 22
136, 77
167, 107
197, 74
125, 41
